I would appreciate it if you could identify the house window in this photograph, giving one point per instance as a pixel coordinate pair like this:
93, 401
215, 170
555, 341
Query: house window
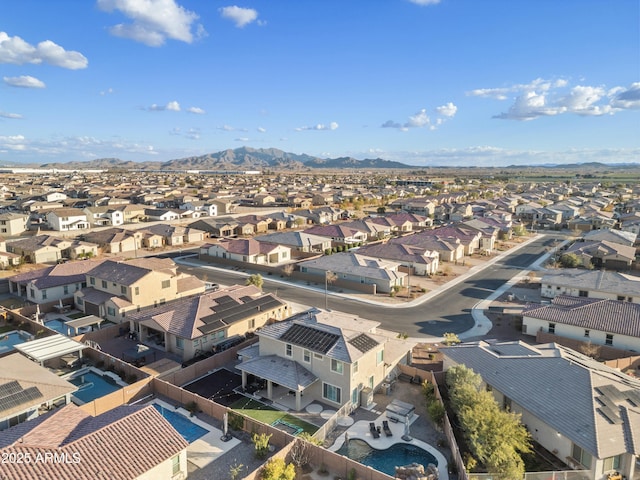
354, 368
371, 382
337, 366
317, 356
166, 283
123, 289
379, 357
552, 328
306, 356
288, 350
252, 323
586, 333
583, 457
583, 293
179, 343
65, 289
111, 311
104, 284
175, 465
44, 294
621, 298
332, 393
608, 339
506, 403
611, 463
137, 290
32, 293
79, 301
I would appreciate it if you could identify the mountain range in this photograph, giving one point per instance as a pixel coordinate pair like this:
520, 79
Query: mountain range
243, 158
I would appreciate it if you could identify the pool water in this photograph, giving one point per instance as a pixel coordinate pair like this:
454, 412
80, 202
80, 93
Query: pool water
386, 461
92, 385
9, 339
185, 427
59, 326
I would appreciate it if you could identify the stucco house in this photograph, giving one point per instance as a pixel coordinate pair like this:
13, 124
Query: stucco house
590, 283
298, 241
127, 443
39, 249
597, 320
66, 219
192, 326
421, 261
584, 413
116, 287
247, 250
13, 224
331, 357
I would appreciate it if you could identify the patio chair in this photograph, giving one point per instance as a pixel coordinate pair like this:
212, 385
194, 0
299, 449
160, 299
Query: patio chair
373, 430
387, 430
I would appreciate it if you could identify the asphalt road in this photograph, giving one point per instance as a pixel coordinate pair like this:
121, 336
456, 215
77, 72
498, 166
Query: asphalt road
449, 311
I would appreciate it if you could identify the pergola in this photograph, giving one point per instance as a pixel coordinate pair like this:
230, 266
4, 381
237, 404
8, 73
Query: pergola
47, 348
87, 321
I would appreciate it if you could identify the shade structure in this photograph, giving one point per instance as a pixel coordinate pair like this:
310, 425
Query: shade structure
50, 347
87, 321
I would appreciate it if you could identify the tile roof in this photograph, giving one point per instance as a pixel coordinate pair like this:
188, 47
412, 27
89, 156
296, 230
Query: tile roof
62, 274
292, 239
398, 252
246, 246
594, 280
121, 444
561, 388
605, 315
355, 264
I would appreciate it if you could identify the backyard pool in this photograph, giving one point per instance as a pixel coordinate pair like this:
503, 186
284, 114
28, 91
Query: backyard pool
386, 461
185, 427
9, 339
92, 385
59, 325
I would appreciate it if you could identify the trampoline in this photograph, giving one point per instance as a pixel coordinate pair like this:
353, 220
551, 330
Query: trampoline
217, 386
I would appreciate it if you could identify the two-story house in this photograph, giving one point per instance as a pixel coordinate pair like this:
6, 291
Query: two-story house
66, 219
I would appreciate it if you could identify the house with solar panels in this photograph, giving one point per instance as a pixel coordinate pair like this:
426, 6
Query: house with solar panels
583, 412
208, 323
332, 357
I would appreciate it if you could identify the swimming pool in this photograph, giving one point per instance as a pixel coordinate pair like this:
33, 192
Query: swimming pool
185, 427
59, 326
92, 385
386, 461
10, 339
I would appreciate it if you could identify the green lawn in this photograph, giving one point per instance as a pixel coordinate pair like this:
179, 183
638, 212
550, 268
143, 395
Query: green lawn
266, 414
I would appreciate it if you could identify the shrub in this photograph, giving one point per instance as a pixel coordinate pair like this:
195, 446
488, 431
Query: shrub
236, 421
436, 412
277, 469
261, 444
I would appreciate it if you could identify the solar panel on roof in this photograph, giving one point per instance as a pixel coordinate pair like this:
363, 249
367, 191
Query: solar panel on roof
19, 398
9, 388
633, 397
610, 415
363, 342
612, 393
311, 338
237, 312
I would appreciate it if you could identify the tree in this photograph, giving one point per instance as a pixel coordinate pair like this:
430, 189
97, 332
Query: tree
590, 350
329, 278
256, 280
261, 444
287, 270
381, 209
451, 339
277, 469
301, 451
569, 260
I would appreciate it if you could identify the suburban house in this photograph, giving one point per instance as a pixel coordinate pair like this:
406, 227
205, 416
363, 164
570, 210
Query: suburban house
339, 235
591, 283
419, 260
132, 213
597, 320
296, 241
27, 389
176, 235
217, 227
332, 357
104, 216
13, 224
611, 235
162, 214
247, 250
116, 287
115, 240
66, 219
52, 283
469, 238
128, 442
603, 253
359, 269
192, 326
581, 411
40, 249
449, 250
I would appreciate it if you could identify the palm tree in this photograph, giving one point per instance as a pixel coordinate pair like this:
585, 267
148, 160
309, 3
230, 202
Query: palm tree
329, 277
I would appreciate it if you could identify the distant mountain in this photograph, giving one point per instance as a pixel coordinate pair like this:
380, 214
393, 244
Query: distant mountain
243, 158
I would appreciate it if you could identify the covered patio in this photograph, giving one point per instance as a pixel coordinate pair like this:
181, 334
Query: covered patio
88, 321
284, 379
56, 346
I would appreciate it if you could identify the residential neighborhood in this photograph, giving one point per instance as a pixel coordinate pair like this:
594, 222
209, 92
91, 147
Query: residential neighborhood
146, 306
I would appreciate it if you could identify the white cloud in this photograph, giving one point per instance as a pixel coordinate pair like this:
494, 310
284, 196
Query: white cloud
240, 16
543, 98
24, 81
425, 2
421, 119
153, 21
173, 106
196, 110
16, 51
108, 91
319, 126
448, 110
12, 116
262, 129
242, 139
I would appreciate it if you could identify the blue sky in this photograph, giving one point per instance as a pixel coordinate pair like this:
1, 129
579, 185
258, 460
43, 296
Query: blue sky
424, 82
